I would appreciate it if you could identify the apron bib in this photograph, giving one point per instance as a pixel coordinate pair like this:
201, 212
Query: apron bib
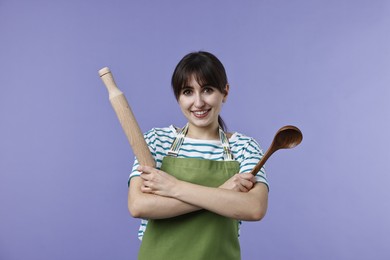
197, 235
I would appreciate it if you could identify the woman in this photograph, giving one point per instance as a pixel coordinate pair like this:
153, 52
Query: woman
192, 202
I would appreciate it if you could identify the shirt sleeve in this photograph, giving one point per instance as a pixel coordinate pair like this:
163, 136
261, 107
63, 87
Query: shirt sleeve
252, 154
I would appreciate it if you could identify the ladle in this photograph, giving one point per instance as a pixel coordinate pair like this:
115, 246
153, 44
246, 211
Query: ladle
287, 137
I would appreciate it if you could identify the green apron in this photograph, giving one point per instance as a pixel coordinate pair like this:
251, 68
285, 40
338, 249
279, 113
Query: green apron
198, 235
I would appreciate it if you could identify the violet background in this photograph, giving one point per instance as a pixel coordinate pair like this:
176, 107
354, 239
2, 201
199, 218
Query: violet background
64, 160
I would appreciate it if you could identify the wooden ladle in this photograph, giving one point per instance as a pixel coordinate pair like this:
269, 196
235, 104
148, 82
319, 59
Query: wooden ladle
287, 137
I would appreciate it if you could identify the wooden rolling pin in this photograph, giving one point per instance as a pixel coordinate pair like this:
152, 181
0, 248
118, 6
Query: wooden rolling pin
127, 119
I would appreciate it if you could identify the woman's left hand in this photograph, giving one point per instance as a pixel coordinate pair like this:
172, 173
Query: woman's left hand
242, 182
157, 182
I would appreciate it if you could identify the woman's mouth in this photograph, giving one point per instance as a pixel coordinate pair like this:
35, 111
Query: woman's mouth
201, 113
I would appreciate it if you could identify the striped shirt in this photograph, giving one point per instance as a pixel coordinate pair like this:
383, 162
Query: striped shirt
245, 150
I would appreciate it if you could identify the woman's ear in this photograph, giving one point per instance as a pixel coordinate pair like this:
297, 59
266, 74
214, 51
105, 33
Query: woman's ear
226, 93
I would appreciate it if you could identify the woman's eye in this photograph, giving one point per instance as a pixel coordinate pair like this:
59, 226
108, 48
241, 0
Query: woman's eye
187, 92
208, 90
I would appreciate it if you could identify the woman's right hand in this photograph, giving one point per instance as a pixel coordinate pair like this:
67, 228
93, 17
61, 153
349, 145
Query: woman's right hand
242, 182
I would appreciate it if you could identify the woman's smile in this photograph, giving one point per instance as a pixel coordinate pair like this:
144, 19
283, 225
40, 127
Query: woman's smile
201, 113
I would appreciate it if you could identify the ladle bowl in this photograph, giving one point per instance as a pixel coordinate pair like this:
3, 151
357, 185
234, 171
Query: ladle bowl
286, 137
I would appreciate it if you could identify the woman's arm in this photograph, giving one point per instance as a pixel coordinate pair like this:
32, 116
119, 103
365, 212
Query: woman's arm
143, 205
152, 206
250, 206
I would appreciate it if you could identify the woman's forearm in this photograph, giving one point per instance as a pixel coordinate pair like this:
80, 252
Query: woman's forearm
251, 205
150, 206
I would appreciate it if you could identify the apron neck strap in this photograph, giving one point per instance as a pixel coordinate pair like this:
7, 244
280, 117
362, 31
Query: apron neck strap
174, 150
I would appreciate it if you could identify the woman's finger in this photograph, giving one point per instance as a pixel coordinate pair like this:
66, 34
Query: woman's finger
247, 184
145, 189
145, 169
145, 176
243, 188
147, 184
248, 176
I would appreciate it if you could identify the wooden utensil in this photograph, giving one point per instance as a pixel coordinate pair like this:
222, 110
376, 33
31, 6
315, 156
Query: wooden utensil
287, 137
127, 119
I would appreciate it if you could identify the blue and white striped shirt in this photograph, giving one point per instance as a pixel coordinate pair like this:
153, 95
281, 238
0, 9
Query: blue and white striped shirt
245, 150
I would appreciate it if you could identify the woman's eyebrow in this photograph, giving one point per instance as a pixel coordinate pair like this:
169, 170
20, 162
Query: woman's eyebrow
206, 85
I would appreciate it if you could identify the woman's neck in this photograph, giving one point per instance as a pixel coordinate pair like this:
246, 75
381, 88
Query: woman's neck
203, 133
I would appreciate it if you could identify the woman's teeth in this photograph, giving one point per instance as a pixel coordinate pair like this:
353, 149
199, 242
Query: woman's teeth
200, 113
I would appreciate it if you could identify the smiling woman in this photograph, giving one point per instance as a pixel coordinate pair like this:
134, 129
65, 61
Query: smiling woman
202, 69
191, 204
201, 106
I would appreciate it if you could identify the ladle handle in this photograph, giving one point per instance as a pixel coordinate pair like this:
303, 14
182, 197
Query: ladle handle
263, 160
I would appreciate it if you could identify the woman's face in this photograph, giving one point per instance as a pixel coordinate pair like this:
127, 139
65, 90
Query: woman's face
201, 105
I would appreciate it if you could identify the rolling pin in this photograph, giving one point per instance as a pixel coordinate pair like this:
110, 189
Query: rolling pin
127, 119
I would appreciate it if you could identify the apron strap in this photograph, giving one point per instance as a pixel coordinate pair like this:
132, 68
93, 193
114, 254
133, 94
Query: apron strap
227, 154
175, 147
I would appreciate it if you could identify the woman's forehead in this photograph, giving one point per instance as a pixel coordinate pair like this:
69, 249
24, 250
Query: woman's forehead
197, 77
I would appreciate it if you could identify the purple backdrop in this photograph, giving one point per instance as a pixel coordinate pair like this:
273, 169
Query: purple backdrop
64, 160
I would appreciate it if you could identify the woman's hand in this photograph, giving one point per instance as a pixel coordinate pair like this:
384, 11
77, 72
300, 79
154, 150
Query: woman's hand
242, 182
157, 182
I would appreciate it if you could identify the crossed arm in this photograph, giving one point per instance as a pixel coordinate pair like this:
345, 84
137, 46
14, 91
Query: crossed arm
156, 194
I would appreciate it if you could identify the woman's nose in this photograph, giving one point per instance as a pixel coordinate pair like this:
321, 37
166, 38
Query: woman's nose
199, 102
